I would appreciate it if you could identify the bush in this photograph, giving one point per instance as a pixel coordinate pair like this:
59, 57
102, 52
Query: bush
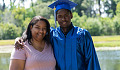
1, 31
10, 31
107, 26
79, 21
93, 26
116, 22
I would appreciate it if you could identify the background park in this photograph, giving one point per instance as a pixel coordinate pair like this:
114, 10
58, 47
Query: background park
100, 17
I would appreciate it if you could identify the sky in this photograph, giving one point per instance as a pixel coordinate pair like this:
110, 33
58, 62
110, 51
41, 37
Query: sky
27, 2
27, 5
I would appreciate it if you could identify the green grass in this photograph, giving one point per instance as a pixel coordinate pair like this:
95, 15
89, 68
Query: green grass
106, 41
7, 42
105, 38
108, 44
99, 41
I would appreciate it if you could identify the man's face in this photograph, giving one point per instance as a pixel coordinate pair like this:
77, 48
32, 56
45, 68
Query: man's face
64, 18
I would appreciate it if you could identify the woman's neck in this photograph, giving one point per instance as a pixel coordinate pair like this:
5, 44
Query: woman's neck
38, 45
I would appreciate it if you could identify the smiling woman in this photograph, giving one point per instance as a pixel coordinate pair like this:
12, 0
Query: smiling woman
38, 52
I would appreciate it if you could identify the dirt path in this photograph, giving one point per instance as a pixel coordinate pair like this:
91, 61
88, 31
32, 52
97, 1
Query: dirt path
6, 48
9, 48
106, 48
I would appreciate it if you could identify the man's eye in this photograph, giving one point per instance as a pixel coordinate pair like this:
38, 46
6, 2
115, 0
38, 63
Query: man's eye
44, 28
66, 15
59, 17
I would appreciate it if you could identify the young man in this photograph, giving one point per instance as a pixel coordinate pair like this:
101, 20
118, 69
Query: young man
73, 46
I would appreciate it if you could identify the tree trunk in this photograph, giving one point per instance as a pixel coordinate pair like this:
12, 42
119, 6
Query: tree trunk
3, 8
99, 7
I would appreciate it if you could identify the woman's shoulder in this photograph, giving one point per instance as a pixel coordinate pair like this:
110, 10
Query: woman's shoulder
27, 44
48, 46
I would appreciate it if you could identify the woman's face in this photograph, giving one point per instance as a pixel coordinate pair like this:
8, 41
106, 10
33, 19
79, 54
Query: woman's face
39, 30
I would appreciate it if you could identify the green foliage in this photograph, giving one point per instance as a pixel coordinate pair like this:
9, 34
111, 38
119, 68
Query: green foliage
107, 26
30, 13
1, 31
79, 7
94, 26
15, 18
7, 17
118, 9
43, 10
19, 16
79, 21
10, 31
52, 21
116, 22
75, 19
0, 17
25, 24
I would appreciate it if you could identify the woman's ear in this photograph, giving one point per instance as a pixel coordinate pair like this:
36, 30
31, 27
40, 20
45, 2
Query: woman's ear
30, 27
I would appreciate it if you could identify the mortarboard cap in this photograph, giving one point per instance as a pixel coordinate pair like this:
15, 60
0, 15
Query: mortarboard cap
62, 4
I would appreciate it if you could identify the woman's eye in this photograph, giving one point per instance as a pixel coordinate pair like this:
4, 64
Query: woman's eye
37, 27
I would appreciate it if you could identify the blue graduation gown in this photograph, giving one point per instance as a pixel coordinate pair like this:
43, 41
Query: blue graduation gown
75, 51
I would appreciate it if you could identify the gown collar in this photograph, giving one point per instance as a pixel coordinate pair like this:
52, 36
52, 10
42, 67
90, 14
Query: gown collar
68, 29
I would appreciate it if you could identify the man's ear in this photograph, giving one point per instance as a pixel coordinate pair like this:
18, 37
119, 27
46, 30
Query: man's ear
71, 15
56, 18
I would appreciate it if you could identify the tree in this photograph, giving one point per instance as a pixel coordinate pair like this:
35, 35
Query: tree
116, 19
18, 14
79, 8
118, 9
1, 31
43, 10
12, 6
110, 7
85, 6
7, 17
10, 31
94, 26
99, 4
107, 26
3, 8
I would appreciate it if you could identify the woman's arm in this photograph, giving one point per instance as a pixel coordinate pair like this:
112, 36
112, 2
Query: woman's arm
17, 64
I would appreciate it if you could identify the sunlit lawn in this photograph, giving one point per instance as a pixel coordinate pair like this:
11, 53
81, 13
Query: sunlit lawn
7, 42
99, 41
106, 41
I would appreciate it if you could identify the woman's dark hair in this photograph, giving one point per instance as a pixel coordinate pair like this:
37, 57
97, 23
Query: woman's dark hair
27, 35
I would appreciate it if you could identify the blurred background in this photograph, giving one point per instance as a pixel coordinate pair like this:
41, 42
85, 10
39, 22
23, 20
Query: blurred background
100, 17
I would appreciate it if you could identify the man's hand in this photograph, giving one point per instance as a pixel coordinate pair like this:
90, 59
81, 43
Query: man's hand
19, 43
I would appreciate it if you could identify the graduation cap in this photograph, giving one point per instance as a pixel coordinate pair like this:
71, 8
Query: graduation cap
61, 4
